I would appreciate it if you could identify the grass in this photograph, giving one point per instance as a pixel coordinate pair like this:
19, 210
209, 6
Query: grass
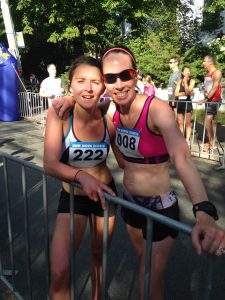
220, 119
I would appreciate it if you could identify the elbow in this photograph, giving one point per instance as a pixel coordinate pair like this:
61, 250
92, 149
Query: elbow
47, 167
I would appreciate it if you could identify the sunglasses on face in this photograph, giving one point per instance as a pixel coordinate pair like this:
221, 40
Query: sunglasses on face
125, 75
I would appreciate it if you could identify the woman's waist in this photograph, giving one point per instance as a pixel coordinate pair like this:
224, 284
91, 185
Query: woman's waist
154, 202
152, 180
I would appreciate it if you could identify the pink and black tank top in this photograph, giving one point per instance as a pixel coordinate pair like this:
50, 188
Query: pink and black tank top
139, 144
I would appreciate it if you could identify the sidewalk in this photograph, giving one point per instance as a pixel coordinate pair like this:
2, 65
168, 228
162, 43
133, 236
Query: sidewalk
24, 140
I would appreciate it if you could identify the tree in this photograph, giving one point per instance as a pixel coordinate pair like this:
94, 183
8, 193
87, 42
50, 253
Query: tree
57, 31
153, 55
189, 25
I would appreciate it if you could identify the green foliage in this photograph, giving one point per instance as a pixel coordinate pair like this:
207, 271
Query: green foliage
217, 47
215, 5
200, 116
153, 55
57, 31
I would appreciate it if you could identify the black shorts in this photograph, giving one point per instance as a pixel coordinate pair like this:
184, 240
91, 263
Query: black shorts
184, 107
83, 205
160, 231
212, 107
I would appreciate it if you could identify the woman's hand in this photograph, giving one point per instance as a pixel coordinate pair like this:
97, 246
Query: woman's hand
208, 236
93, 188
63, 106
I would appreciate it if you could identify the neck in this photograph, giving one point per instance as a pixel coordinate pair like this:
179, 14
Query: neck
86, 115
125, 109
175, 69
211, 68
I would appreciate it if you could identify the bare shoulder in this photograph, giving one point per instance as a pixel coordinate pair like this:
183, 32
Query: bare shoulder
158, 103
218, 74
160, 112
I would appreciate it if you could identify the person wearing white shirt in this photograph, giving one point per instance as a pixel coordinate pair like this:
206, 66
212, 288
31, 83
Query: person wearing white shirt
51, 86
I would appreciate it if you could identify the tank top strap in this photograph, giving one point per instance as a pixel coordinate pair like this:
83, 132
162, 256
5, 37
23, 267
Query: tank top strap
107, 136
116, 118
144, 113
70, 125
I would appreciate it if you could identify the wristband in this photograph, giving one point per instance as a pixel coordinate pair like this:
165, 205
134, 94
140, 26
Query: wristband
76, 174
206, 206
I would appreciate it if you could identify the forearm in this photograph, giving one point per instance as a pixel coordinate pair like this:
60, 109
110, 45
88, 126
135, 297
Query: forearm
60, 171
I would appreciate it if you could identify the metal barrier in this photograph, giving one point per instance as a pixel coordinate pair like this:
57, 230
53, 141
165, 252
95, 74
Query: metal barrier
10, 232
199, 135
33, 107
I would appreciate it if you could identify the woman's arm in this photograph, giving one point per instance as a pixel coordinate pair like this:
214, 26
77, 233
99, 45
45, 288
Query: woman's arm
118, 155
52, 149
206, 235
177, 90
189, 87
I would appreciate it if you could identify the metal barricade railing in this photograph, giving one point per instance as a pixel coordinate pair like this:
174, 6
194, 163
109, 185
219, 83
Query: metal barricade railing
33, 107
199, 133
9, 239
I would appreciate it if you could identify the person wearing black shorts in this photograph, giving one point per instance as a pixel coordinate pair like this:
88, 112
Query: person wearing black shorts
212, 99
184, 93
173, 80
76, 150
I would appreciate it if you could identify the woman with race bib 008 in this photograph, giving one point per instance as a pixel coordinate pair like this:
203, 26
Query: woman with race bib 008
148, 137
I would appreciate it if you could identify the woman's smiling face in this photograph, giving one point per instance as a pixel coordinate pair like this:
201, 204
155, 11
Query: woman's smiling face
122, 92
86, 85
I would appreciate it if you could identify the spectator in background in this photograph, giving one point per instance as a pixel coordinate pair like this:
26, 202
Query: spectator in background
184, 92
140, 85
173, 80
51, 87
34, 83
149, 88
213, 98
144, 80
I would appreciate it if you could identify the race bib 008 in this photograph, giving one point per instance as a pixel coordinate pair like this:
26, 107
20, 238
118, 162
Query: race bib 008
127, 140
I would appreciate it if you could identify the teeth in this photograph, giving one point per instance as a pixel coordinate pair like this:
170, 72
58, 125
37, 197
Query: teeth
87, 97
121, 94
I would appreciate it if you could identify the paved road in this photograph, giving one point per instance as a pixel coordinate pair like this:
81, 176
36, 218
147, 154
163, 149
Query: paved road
185, 271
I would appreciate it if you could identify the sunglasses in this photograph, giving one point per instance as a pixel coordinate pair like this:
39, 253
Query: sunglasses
125, 75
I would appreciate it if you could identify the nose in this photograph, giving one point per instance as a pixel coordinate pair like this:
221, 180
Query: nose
118, 83
88, 86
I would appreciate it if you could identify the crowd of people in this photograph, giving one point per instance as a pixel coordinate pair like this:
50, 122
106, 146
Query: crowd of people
145, 138
181, 92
